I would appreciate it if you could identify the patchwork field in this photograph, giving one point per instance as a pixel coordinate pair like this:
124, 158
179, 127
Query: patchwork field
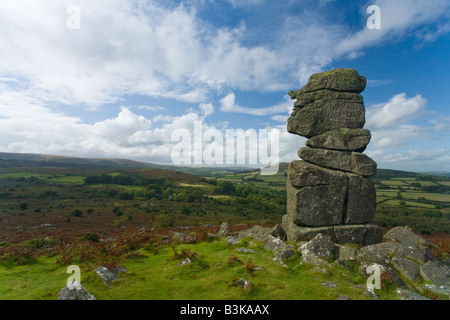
403, 198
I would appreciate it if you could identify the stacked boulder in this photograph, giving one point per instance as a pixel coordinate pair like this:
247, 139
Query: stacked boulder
329, 191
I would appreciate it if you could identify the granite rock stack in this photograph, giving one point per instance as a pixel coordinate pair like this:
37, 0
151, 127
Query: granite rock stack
329, 191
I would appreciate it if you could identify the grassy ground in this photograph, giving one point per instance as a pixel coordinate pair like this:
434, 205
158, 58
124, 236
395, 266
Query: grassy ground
39, 279
211, 276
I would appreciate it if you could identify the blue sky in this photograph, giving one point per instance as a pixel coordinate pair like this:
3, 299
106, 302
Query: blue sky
120, 80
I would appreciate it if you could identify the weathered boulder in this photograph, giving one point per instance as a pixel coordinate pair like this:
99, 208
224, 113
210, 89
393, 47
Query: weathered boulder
385, 273
330, 100
233, 240
279, 232
365, 234
308, 98
180, 237
406, 236
405, 294
106, 275
284, 254
441, 290
302, 174
319, 246
361, 200
243, 283
296, 233
406, 268
212, 237
119, 269
436, 272
184, 262
314, 260
370, 254
256, 232
345, 253
317, 205
342, 79
382, 252
350, 161
224, 230
274, 244
341, 139
74, 291
326, 113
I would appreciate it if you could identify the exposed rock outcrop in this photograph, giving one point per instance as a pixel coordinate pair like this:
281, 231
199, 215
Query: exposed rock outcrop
106, 275
405, 260
329, 191
74, 291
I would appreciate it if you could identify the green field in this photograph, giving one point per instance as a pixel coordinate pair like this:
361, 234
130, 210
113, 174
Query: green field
445, 198
394, 182
417, 200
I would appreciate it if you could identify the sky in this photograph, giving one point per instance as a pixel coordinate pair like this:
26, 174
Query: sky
122, 78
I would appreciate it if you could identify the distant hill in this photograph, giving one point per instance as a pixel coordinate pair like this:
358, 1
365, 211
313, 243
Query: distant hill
44, 160
436, 173
385, 174
389, 173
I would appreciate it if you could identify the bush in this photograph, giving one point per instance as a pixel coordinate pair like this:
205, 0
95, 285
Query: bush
118, 211
76, 213
184, 254
224, 187
26, 251
165, 220
125, 196
90, 236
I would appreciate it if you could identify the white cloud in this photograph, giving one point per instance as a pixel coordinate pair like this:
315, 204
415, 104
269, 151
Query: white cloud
324, 2
413, 160
280, 118
31, 127
125, 130
207, 109
389, 122
398, 110
398, 19
130, 48
169, 52
432, 35
244, 3
163, 118
152, 108
228, 104
397, 142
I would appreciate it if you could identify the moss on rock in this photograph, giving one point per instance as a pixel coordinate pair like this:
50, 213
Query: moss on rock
343, 79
